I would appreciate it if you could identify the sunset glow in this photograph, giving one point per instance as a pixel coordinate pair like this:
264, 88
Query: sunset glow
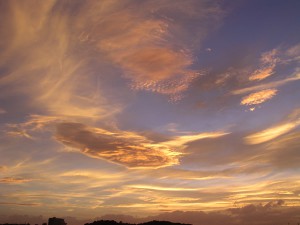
181, 110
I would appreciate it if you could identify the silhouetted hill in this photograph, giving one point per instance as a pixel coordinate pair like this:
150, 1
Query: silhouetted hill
112, 222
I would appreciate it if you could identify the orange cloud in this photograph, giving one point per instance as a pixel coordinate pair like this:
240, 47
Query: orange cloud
123, 147
258, 97
126, 148
14, 180
20, 204
149, 51
275, 131
145, 57
270, 85
261, 74
268, 63
270, 134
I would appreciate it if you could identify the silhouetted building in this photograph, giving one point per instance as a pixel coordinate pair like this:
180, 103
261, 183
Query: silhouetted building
56, 221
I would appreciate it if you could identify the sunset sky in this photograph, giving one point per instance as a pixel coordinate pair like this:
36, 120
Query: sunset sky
168, 109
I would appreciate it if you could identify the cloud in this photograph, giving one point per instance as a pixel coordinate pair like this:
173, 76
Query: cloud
153, 53
275, 131
141, 52
282, 152
268, 63
270, 85
19, 219
293, 52
259, 97
43, 62
159, 188
20, 204
33, 124
263, 73
17, 131
2, 111
124, 147
159, 70
14, 180
270, 133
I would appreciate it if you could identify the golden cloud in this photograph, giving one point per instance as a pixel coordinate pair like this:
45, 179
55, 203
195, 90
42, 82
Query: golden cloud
268, 63
124, 147
14, 180
258, 97
162, 188
149, 62
262, 73
20, 204
270, 85
49, 71
270, 134
275, 131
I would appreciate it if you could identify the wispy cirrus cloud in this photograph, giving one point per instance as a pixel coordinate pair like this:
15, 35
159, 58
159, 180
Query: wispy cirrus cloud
270, 85
270, 133
273, 132
14, 180
268, 62
20, 204
62, 72
293, 53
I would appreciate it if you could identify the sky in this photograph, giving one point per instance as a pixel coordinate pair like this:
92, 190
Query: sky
178, 110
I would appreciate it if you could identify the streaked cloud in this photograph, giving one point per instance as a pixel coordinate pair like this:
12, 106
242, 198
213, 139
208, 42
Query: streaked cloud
275, 131
159, 188
268, 62
293, 53
259, 97
17, 132
262, 73
14, 180
138, 107
19, 204
269, 85
270, 134
62, 75
124, 147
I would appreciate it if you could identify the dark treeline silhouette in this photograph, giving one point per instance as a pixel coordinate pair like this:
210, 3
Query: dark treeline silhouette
112, 222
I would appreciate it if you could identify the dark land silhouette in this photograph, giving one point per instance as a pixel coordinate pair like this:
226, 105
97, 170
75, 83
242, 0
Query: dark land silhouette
154, 222
59, 221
